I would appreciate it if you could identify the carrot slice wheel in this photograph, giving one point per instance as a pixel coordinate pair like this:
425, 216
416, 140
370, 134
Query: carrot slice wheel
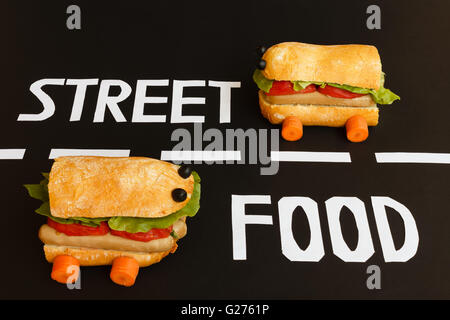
124, 271
357, 129
66, 269
292, 129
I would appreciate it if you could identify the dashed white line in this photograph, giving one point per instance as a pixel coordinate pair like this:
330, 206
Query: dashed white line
195, 155
226, 155
412, 157
55, 153
306, 156
12, 154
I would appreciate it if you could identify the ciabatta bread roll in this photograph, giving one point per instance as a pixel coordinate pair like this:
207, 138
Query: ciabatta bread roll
94, 187
316, 115
100, 257
355, 65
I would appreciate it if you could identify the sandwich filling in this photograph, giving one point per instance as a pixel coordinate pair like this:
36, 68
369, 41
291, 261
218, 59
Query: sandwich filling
322, 93
317, 98
114, 233
110, 241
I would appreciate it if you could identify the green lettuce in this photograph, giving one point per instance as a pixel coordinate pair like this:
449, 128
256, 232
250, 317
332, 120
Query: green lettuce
380, 96
133, 225
262, 82
129, 224
44, 210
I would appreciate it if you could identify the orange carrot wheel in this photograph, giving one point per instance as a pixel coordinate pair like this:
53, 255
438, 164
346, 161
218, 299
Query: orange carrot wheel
66, 269
124, 271
357, 129
292, 129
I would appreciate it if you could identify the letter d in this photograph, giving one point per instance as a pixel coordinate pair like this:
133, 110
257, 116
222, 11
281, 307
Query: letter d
411, 243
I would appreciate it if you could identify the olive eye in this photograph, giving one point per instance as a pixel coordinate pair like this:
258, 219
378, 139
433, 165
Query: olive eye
262, 49
179, 195
184, 171
261, 64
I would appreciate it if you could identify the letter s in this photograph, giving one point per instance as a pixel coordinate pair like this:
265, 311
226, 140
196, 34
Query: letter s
47, 102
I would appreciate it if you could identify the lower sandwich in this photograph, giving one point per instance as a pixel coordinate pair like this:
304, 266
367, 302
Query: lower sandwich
125, 212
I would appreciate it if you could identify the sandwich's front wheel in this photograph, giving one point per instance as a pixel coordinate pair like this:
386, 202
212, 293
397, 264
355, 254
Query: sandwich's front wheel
66, 269
292, 128
357, 129
124, 271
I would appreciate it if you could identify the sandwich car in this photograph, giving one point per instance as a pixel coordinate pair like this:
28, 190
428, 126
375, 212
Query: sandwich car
125, 212
315, 85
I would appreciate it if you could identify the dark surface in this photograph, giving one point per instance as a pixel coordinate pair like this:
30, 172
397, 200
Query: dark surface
217, 41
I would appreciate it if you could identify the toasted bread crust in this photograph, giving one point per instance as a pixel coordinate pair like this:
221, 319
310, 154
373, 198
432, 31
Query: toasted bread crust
355, 65
316, 115
94, 187
99, 257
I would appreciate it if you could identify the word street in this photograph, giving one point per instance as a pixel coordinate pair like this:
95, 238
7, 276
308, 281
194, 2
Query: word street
106, 100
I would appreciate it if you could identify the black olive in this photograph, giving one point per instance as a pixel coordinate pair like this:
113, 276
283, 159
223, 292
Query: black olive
261, 64
185, 171
262, 49
179, 195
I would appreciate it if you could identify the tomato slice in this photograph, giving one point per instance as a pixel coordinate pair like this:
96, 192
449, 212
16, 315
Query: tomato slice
75, 229
152, 234
280, 88
338, 93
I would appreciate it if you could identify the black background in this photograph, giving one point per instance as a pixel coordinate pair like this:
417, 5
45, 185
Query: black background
217, 40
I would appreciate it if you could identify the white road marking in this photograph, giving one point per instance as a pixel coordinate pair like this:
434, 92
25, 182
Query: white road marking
306, 156
15, 154
196, 155
225, 155
55, 153
412, 157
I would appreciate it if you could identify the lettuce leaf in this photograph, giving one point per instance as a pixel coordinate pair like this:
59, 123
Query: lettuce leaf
262, 82
300, 85
129, 224
44, 210
133, 225
380, 96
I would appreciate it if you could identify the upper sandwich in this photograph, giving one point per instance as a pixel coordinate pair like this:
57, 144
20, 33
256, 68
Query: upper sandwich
99, 208
302, 75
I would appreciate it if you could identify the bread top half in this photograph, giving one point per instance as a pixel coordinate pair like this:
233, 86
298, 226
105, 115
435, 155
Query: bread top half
94, 187
354, 65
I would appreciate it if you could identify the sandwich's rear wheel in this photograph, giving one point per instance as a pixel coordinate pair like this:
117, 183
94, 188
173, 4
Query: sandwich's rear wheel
66, 269
357, 129
124, 271
292, 129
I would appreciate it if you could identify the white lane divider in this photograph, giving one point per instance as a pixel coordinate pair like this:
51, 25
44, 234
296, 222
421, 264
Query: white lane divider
196, 155
15, 154
226, 155
305, 156
412, 157
55, 153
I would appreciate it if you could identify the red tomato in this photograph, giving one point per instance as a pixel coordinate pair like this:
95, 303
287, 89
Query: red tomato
152, 234
280, 88
75, 229
338, 93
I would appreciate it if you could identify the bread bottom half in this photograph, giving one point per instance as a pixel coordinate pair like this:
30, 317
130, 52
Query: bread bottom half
316, 115
99, 257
